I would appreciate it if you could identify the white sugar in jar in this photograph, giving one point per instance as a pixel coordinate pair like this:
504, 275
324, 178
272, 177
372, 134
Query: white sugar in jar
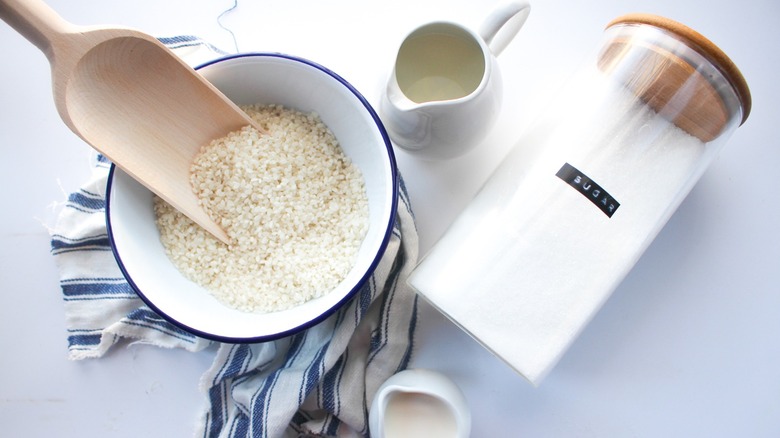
545, 242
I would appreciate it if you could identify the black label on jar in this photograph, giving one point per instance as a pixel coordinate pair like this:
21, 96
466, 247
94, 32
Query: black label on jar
589, 189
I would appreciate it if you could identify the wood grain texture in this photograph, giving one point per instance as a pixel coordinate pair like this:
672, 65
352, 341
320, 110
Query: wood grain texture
132, 99
675, 87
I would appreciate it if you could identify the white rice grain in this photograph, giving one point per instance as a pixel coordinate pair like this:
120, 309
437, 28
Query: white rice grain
293, 205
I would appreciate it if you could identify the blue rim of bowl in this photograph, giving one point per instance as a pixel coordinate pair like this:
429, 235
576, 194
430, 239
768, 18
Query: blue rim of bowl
380, 253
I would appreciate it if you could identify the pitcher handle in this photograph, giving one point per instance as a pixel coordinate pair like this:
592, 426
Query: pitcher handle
503, 23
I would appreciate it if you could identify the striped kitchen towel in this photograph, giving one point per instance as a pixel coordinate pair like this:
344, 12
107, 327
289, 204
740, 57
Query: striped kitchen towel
319, 382
100, 306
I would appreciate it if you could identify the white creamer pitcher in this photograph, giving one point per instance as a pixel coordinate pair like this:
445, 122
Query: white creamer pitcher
419, 403
445, 90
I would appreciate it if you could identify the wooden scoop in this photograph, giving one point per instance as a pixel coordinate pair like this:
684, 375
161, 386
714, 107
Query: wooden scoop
132, 99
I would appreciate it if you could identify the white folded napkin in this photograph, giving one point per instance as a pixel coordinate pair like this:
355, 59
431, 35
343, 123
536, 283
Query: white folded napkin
318, 382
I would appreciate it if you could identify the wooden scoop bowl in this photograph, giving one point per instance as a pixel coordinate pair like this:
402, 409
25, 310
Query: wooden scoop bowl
132, 99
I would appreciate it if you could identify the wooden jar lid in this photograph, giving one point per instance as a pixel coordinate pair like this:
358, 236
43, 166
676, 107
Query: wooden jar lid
663, 74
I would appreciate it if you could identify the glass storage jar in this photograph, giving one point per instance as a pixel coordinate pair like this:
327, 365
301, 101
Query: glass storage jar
548, 238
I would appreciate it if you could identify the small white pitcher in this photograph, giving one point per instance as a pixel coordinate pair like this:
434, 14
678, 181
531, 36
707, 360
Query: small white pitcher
445, 90
419, 403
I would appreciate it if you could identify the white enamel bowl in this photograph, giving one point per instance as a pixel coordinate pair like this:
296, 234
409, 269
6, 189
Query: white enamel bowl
265, 79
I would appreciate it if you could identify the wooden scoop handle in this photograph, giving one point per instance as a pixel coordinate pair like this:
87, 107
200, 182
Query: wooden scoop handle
34, 20
129, 97
63, 43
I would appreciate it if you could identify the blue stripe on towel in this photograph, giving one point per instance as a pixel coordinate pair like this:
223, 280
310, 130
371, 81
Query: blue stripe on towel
312, 375
239, 428
61, 244
412, 327
403, 196
218, 400
261, 401
145, 317
84, 340
331, 382
236, 364
299, 418
98, 288
85, 201
178, 42
87, 339
366, 296
261, 404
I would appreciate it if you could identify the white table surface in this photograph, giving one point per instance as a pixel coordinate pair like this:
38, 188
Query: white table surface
688, 345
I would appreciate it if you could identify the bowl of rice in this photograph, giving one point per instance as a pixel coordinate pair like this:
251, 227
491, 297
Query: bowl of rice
309, 207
